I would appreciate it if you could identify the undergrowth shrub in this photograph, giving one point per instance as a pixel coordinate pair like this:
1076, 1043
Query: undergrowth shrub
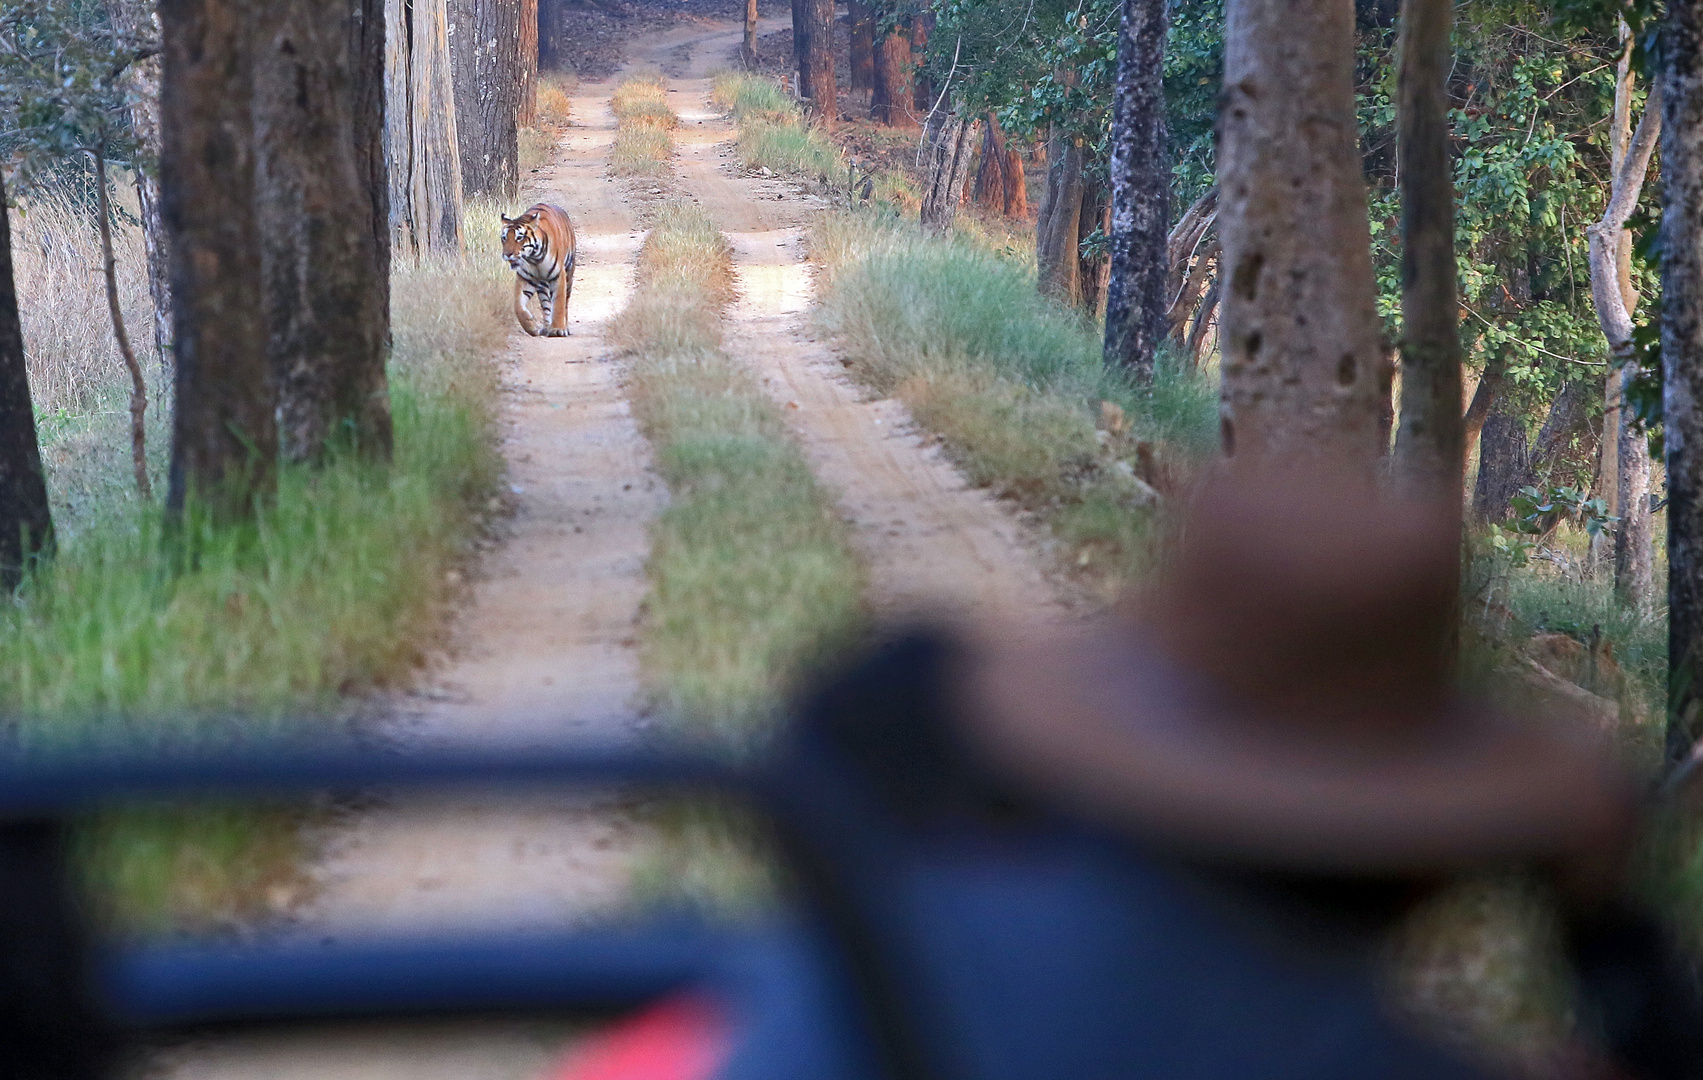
773, 131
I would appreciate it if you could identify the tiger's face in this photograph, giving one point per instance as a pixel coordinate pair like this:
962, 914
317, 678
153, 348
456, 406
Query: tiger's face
523, 241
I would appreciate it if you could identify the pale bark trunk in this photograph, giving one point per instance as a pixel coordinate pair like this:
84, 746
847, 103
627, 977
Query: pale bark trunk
948, 141
1302, 366
1140, 176
421, 151
862, 56
1187, 251
1204, 321
1608, 470
1632, 549
1058, 267
484, 56
136, 20
1430, 450
1188, 297
325, 259
890, 98
528, 109
1682, 361
224, 433
26, 519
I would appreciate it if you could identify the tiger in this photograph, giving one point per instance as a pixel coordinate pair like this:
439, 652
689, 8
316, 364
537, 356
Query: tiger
539, 247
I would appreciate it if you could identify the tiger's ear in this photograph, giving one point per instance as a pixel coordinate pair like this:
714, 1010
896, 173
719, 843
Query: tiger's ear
506, 219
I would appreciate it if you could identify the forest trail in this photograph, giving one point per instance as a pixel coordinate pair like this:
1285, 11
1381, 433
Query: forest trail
545, 651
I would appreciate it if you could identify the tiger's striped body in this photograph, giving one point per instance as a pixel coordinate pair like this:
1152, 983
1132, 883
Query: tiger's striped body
539, 247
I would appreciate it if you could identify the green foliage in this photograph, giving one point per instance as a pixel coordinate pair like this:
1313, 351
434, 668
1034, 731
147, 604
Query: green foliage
1540, 511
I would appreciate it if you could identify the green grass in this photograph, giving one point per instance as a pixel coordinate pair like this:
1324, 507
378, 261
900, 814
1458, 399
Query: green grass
773, 131
339, 586
751, 572
1013, 384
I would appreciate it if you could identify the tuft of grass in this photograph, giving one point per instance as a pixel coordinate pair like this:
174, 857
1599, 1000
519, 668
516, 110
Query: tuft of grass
536, 145
773, 131
1012, 383
555, 108
752, 575
643, 120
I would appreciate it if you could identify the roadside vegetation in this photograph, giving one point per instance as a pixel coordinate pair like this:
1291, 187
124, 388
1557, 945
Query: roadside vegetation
643, 121
773, 131
340, 584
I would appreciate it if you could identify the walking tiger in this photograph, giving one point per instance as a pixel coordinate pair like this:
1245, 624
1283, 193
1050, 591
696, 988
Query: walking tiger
539, 246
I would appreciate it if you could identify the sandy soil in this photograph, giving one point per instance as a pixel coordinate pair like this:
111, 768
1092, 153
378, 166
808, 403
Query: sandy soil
546, 649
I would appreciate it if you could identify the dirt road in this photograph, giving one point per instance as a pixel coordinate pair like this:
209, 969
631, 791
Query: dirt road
546, 651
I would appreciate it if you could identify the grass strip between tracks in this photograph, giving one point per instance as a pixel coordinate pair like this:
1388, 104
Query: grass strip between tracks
751, 570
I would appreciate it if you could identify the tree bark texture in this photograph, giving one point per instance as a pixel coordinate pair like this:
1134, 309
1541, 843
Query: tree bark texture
137, 21
224, 433
1093, 270
1504, 463
813, 38
528, 114
1619, 139
1682, 360
999, 182
26, 520
748, 45
1057, 261
115, 311
549, 34
322, 221
1140, 175
949, 144
421, 150
862, 19
484, 56
891, 99
1298, 329
922, 87
1632, 548
1430, 450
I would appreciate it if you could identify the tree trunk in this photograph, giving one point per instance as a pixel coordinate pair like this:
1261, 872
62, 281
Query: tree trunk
1191, 259
922, 87
115, 311
999, 176
813, 39
26, 521
1430, 453
528, 114
549, 34
1632, 551
421, 154
1619, 140
321, 218
1140, 175
224, 433
1093, 269
484, 56
862, 19
1681, 88
890, 99
1298, 328
748, 46
1203, 320
948, 142
1488, 390
1057, 261
1504, 464
135, 20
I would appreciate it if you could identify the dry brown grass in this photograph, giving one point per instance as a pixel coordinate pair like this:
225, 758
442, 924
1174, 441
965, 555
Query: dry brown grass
643, 100
555, 109
74, 364
536, 146
643, 121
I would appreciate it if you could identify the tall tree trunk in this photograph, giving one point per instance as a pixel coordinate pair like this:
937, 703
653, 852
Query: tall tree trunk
1632, 549
1619, 140
1140, 174
1681, 86
948, 142
1093, 267
549, 34
421, 153
922, 87
1430, 453
890, 100
1204, 319
1057, 262
999, 176
484, 57
1192, 255
321, 219
224, 434
26, 520
528, 114
748, 46
862, 18
1292, 220
138, 385
1504, 463
813, 40
136, 20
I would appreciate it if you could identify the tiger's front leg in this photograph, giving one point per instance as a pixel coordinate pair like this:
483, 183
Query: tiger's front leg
521, 295
556, 307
